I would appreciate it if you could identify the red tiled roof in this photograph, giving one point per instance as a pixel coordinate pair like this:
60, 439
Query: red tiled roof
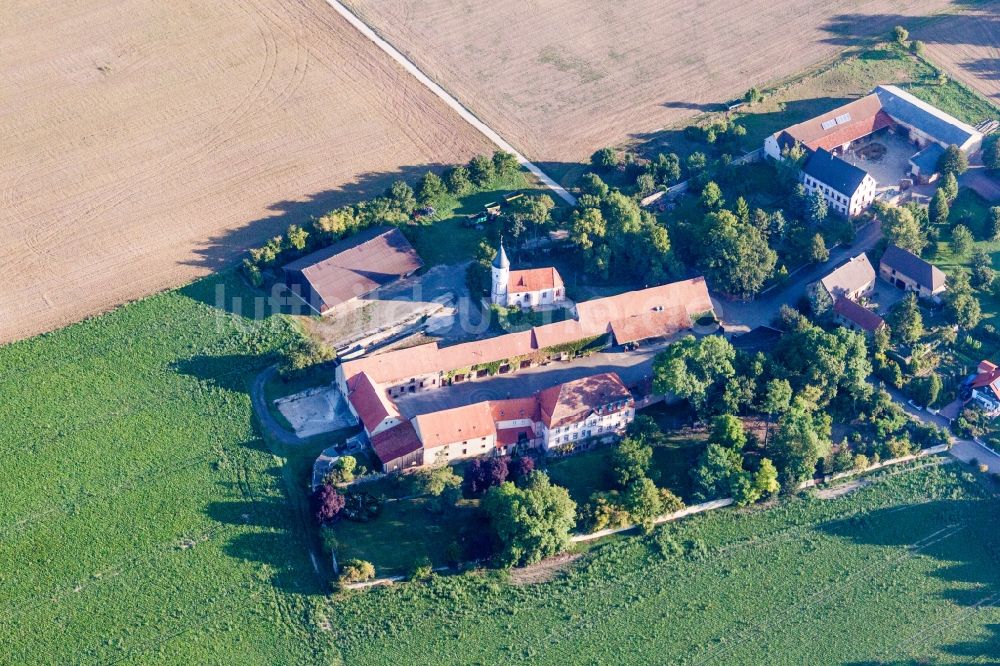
467, 354
651, 325
558, 333
866, 117
395, 442
356, 266
862, 316
515, 408
691, 294
988, 375
574, 401
392, 365
510, 436
370, 401
455, 425
534, 279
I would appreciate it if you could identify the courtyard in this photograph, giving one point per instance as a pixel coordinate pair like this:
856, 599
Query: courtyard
885, 155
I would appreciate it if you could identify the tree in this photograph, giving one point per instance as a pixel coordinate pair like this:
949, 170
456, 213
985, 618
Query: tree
900, 34
666, 169
711, 196
530, 523
457, 180
982, 268
753, 96
925, 390
521, 468
817, 208
481, 170
961, 306
357, 571
342, 470
591, 183
727, 431
605, 159
777, 397
642, 500
993, 223
949, 183
991, 153
939, 207
326, 504
917, 48
742, 210
630, 461
690, 367
301, 353
402, 197
961, 240
296, 237
435, 480
536, 208
737, 259
907, 322
902, 228
505, 164
716, 472
431, 189
953, 160
796, 447
481, 475
817, 250
765, 481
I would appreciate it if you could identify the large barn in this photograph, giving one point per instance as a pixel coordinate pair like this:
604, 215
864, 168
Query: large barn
352, 268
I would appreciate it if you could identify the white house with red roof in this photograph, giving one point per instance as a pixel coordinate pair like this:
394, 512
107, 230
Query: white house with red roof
986, 387
525, 289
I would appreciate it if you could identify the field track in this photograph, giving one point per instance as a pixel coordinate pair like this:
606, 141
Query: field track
561, 78
146, 144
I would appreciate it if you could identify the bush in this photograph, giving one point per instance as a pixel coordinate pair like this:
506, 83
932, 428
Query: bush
422, 569
900, 34
327, 504
302, 353
984, 468
861, 462
357, 571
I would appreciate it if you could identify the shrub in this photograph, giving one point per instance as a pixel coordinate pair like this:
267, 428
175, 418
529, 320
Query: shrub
422, 569
302, 353
861, 462
327, 504
984, 468
357, 571
900, 34
342, 470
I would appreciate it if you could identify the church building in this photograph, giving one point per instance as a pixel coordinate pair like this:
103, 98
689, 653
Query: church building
525, 289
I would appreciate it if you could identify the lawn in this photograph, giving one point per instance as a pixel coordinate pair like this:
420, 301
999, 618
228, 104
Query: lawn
902, 571
143, 517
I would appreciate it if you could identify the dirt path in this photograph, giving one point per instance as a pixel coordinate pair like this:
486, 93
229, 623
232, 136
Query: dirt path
442, 94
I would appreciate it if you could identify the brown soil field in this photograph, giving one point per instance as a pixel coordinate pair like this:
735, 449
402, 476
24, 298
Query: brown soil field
968, 48
145, 144
561, 78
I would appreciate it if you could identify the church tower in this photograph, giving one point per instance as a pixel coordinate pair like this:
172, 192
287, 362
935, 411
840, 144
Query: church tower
501, 275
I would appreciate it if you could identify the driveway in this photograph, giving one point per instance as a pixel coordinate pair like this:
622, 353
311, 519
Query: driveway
740, 317
962, 449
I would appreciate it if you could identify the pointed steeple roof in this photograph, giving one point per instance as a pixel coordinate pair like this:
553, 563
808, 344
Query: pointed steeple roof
501, 260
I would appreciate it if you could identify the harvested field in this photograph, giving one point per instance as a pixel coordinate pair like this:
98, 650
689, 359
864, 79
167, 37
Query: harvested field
148, 143
968, 48
562, 78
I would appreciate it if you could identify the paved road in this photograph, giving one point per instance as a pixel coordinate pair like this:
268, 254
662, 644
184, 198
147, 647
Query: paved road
739, 316
441, 93
962, 449
271, 427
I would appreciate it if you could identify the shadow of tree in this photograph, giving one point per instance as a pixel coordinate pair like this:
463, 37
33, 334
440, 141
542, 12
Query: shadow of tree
958, 533
855, 29
232, 372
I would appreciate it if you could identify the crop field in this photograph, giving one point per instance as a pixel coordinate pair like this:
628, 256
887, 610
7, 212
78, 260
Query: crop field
968, 47
903, 570
143, 519
148, 143
560, 79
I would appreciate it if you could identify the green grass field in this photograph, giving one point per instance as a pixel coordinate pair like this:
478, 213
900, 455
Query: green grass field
902, 571
143, 518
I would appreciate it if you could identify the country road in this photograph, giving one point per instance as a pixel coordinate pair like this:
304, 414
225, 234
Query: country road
448, 99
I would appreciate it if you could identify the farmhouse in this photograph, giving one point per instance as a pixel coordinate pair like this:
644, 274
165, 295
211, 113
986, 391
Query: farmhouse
524, 288
986, 387
861, 132
855, 316
647, 313
854, 280
351, 268
572, 415
905, 270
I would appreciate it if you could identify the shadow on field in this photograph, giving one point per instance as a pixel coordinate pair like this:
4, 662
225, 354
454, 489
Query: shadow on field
959, 533
232, 372
226, 249
855, 29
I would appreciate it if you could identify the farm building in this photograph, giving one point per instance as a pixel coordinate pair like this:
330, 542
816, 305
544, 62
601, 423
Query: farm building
905, 270
524, 288
985, 386
351, 268
863, 132
852, 281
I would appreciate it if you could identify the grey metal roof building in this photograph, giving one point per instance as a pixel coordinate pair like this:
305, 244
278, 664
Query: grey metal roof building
943, 128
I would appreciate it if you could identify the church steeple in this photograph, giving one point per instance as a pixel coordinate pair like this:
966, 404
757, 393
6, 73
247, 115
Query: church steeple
501, 260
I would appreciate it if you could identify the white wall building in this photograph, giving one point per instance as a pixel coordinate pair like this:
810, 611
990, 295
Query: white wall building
524, 288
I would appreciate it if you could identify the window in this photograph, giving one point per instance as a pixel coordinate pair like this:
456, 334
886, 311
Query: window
464, 451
